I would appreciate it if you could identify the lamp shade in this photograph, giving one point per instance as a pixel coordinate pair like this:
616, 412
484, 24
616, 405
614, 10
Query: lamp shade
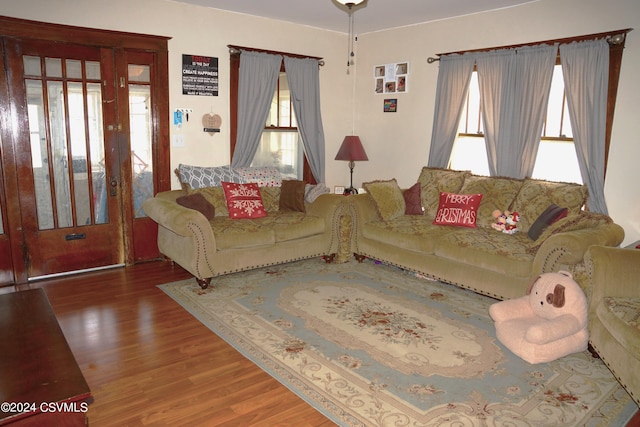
351, 149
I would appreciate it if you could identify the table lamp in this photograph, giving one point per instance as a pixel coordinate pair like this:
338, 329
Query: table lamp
352, 151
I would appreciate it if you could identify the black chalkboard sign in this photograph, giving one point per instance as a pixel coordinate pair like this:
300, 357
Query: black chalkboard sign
199, 75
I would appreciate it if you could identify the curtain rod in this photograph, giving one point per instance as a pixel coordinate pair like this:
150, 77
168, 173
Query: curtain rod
234, 50
616, 37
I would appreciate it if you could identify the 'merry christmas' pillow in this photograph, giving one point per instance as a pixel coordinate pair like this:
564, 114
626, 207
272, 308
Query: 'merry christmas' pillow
458, 209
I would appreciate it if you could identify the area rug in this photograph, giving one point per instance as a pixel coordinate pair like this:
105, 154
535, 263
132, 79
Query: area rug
372, 345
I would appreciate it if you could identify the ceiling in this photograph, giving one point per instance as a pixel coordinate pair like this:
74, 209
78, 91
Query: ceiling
372, 15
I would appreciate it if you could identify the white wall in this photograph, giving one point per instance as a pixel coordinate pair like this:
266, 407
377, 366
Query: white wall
204, 31
397, 143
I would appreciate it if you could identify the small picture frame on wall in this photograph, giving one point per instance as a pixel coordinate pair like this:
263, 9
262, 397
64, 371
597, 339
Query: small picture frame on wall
338, 189
390, 105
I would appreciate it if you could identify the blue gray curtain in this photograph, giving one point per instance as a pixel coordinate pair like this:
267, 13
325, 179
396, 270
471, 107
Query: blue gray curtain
585, 66
514, 89
453, 85
304, 83
257, 80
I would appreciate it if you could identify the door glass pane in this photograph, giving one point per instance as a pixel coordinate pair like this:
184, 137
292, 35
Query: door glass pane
92, 70
141, 145
96, 152
31, 66
60, 161
74, 69
39, 155
78, 141
53, 67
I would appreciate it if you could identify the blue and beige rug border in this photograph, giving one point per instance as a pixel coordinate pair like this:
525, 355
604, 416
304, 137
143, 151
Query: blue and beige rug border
315, 397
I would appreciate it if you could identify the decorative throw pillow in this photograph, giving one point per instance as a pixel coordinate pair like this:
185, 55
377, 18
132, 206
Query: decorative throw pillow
199, 203
412, 200
292, 195
264, 176
388, 198
552, 214
243, 200
200, 177
458, 209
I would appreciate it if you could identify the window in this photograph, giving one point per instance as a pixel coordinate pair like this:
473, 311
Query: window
556, 159
281, 146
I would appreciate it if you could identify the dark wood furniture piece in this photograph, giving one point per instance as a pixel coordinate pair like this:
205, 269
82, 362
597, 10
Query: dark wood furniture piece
40, 381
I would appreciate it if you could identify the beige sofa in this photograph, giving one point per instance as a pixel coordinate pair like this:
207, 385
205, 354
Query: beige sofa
614, 312
221, 245
482, 259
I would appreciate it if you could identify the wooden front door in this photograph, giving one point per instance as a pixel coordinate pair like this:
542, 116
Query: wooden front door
67, 156
83, 143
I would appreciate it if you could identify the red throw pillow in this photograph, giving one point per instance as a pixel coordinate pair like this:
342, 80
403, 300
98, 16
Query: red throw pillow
412, 200
458, 209
243, 200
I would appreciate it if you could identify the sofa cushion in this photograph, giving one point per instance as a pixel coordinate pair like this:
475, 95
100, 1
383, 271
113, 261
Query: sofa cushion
498, 194
200, 177
412, 232
621, 317
292, 196
296, 225
460, 210
199, 203
277, 227
388, 198
536, 195
248, 233
483, 247
412, 201
264, 176
243, 200
433, 181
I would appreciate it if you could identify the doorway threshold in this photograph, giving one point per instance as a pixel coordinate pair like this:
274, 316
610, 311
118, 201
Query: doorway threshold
74, 272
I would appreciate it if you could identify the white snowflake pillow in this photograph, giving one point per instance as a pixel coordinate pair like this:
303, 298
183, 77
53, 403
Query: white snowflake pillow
243, 200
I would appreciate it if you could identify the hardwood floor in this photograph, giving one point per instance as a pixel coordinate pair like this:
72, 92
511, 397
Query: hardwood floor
149, 362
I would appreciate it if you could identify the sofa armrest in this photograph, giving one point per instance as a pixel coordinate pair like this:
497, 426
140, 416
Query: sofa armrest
174, 217
569, 247
613, 272
324, 206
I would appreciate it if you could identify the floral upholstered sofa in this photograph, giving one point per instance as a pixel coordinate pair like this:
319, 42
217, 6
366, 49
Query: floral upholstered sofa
226, 220
443, 227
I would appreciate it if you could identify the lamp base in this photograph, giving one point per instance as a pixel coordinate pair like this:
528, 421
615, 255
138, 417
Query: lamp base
350, 190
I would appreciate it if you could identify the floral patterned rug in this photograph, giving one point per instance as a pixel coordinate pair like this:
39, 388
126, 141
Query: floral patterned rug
371, 345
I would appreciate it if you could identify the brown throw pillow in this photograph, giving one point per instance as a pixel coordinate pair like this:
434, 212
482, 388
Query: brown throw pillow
412, 200
550, 215
292, 195
197, 202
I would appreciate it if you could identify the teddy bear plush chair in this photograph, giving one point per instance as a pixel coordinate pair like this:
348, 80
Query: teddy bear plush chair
549, 322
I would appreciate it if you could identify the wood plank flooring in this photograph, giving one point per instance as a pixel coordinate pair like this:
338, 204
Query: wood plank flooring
150, 363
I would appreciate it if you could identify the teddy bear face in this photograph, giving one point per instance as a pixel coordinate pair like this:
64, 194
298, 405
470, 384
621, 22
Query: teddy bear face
554, 294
